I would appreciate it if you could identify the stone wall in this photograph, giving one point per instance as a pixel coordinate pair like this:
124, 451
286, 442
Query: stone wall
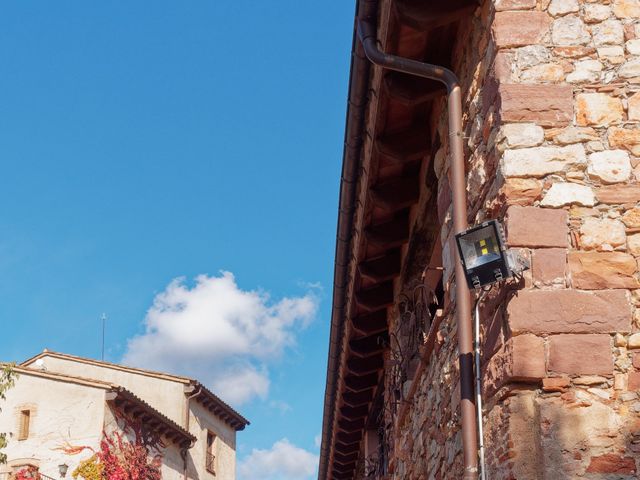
552, 115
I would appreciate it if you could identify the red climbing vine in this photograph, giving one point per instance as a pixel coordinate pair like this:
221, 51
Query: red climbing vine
122, 458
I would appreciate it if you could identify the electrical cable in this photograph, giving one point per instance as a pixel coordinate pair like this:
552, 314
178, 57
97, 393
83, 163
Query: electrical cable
476, 316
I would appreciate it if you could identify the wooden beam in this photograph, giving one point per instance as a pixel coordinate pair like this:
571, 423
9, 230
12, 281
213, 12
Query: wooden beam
348, 447
406, 145
358, 383
345, 459
365, 365
382, 268
370, 345
344, 472
410, 90
350, 425
441, 12
376, 297
397, 194
349, 438
357, 398
371, 323
354, 413
390, 234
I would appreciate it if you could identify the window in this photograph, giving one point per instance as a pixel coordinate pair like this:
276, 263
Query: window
210, 456
25, 420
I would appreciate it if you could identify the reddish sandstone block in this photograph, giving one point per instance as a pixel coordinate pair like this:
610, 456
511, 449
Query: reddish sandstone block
555, 384
634, 381
569, 311
636, 360
502, 5
549, 266
601, 270
536, 227
521, 359
612, 463
545, 105
517, 29
581, 354
527, 358
615, 194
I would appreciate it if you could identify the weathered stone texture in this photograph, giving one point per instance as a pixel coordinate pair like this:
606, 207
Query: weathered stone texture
626, 9
587, 354
618, 194
514, 29
549, 266
598, 109
546, 105
562, 194
634, 106
626, 138
609, 32
631, 218
502, 5
610, 166
569, 31
541, 161
517, 135
602, 234
569, 311
596, 12
522, 191
521, 359
536, 227
602, 270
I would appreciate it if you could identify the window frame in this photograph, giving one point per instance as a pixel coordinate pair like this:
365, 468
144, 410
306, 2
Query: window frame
24, 424
210, 455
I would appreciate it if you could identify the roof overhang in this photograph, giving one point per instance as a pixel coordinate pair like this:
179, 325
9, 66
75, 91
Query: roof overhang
387, 151
214, 404
136, 408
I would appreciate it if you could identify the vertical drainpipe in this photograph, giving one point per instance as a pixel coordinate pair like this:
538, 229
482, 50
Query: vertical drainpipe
187, 416
367, 35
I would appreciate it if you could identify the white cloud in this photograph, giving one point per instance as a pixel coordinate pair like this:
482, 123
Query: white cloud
317, 440
283, 461
220, 334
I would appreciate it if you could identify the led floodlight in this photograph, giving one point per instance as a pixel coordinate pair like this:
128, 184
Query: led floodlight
483, 254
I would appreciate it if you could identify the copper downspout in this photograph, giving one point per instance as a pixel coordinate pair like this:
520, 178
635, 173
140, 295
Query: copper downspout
367, 35
187, 417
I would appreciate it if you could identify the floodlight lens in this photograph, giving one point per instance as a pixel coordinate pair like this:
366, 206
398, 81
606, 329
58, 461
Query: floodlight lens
480, 247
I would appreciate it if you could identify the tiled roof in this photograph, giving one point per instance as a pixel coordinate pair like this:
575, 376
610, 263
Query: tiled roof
205, 396
124, 400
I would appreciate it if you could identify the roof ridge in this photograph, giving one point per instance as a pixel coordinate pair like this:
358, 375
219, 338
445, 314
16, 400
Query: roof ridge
143, 371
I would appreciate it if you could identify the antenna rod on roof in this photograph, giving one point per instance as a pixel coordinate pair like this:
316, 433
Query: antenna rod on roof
104, 321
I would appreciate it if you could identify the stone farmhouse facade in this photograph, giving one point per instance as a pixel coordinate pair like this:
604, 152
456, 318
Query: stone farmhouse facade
62, 406
550, 93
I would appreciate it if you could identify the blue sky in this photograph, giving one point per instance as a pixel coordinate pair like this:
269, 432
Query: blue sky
142, 142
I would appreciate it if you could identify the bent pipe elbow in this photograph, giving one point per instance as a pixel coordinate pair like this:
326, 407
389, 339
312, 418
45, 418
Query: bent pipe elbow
367, 36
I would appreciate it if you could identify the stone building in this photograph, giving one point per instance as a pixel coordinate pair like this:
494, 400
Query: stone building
551, 133
62, 406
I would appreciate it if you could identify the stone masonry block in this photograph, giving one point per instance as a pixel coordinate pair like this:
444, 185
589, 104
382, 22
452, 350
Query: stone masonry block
516, 29
581, 354
521, 359
549, 266
602, 270
545, 105
536, 227
569, 311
